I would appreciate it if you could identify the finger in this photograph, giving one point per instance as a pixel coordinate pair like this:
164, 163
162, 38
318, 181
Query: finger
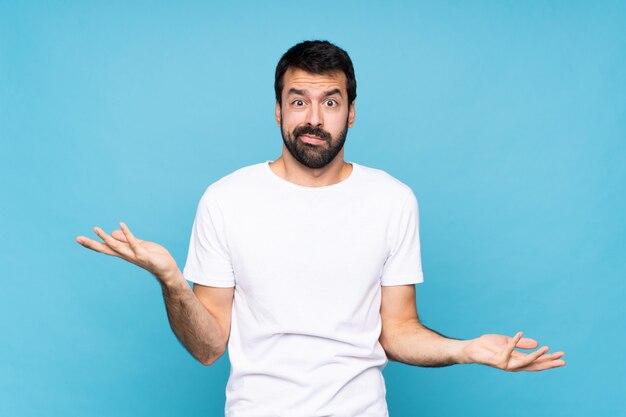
512, 343
550, 357
530, 358
132, 240
505, 355
119, 235
96, 246
527, 343
554, 355
114, 244
542, 366
543, 358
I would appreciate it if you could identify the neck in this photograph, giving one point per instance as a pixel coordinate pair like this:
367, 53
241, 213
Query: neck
288, 168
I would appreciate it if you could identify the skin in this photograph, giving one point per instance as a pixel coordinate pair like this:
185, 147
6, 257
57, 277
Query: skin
201, 317
406, 340
313, 108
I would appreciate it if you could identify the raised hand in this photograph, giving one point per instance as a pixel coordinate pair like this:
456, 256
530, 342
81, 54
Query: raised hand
123, 244
499, 352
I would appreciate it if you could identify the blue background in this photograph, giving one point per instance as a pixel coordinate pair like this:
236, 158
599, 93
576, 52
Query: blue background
507, 119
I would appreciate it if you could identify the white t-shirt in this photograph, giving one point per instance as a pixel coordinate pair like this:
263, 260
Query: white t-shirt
307, 264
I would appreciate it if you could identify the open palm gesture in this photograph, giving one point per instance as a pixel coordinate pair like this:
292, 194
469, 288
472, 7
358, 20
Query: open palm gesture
499, 352
123, 244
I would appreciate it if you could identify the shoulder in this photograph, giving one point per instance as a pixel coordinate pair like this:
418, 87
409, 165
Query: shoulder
383, 184
234, 183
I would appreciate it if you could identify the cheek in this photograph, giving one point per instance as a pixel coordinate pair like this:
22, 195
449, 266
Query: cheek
291, 120
337, 122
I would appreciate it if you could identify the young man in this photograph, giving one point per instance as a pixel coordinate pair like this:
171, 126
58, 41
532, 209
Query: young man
304, 267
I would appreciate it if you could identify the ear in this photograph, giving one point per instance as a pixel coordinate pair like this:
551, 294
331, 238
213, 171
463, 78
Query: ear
277, 114
351, 114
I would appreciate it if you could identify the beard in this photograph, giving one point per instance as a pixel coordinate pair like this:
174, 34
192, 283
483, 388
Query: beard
313, 156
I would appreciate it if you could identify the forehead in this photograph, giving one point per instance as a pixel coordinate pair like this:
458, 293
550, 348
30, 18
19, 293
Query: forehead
298, 78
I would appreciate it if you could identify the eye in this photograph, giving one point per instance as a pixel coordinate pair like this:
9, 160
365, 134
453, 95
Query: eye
330, 103
298, 103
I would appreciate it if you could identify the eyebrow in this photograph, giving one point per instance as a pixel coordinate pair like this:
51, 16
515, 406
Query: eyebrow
331, 92
300, 92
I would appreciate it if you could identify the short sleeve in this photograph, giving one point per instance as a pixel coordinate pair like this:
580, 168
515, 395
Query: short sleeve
208, 260
404, 262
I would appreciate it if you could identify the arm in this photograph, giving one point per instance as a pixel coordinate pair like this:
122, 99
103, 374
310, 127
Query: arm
199, 318
406, 340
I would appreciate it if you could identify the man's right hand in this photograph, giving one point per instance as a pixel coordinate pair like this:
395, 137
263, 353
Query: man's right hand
148, 255
201, 323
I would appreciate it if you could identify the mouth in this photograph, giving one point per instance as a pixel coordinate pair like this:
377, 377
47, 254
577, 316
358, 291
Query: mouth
312, 139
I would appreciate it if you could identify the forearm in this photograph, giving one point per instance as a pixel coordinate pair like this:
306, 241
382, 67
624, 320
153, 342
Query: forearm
194, 326
415, 344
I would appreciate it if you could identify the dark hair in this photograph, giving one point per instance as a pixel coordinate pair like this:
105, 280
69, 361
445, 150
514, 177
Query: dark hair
316, 57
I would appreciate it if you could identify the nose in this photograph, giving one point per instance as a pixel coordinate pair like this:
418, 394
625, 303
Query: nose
314, 116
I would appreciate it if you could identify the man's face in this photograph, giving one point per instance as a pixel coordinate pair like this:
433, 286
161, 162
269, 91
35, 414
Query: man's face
314, 117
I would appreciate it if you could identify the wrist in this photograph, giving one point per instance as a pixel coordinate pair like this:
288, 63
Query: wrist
460, 352
171, 280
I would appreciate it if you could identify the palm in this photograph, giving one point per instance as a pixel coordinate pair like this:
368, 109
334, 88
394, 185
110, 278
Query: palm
159, 257
122, 244
499, 352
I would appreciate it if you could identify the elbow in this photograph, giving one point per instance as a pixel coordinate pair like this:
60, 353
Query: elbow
389, 352
211, 357
208, 361
387, 344
394, 338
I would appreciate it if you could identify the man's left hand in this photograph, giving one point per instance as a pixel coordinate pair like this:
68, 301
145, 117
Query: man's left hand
498, 351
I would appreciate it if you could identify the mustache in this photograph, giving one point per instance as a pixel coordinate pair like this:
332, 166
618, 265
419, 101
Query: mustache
310, 130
